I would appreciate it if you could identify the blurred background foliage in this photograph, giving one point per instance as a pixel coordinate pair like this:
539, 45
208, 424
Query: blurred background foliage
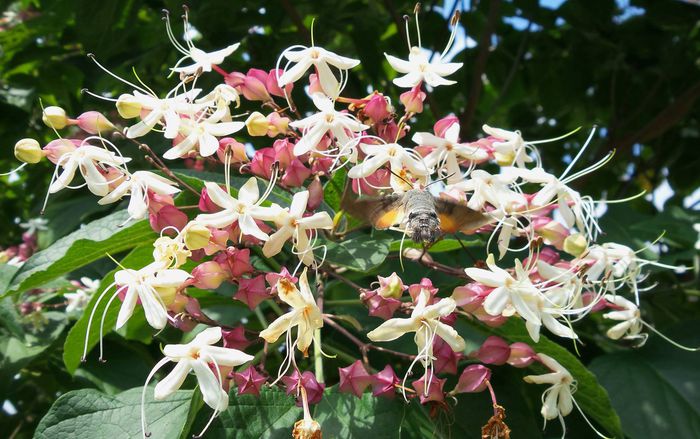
544, 67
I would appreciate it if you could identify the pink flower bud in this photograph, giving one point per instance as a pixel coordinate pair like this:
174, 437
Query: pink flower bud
156, 202
252, 291
235, 261
377, 108
261, 165
434, 391
235, 338
94, 122
217, 241
295, 174
208, 275
413, 99
236, 148
391, 286
273, 88
277, 124
379, 306
314, 84
380, 178
168, 216
315, 195
115, 177
494, 350
383, 383
354, 379
488, 319
442, 125
273, 278
445, 358
249, 382
589, 297
321, 165
314, 390
473, 379
471, 296
389, 132
553, 232
253, 86
55, 149
425, 284
521, 355
205, 203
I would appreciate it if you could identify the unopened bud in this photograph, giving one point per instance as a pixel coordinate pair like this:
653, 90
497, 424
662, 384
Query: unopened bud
277, 124
521, 355
94, 123
28, 151
197, 236
504, 159
575, 244
128, 107
257, 124
55, 117
208, 275
473, 379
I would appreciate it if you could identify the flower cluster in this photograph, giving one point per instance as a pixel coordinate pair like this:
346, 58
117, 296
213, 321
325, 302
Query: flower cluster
238, 231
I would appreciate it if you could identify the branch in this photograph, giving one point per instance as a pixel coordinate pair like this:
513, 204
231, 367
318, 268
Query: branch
296, 19
663, 121
467, 117
364, 347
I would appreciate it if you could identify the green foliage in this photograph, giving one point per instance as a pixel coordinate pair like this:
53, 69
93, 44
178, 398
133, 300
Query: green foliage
89, 413
81, 247
546, 71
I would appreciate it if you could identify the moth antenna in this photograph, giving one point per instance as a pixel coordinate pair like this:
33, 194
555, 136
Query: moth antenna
401, 178
464, 247
443, 178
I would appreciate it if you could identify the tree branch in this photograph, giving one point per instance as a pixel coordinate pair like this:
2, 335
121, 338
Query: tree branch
467, 117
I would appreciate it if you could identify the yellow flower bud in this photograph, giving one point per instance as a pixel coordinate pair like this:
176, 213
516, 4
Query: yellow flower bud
128, 107
197, 236
575, 244
55, 117
257, 124
28, 151
504, 159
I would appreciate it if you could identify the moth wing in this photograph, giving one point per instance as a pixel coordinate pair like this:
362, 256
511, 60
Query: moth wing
381, 212
457, 217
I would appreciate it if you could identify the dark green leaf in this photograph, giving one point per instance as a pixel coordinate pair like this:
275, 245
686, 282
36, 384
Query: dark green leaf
87, 244
359, 252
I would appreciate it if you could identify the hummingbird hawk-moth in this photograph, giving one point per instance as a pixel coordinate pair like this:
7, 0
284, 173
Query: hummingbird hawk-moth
425, 217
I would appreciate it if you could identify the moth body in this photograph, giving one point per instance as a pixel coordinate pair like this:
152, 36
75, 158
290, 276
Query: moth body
422, 222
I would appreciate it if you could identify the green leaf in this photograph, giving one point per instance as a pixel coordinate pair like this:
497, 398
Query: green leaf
74, 344
345, 415
360, 252
81, 247
445, 245
16, 352
90, 413
271, 415
333, 189
590, 395
654, 389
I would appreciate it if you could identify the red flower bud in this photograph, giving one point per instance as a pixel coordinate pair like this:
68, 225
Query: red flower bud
249, 382
494, 350
354, 379
252, 291
473, 379
235, 338
442, 125
383, 383
434, 391
261, 165
521, 355
168, 216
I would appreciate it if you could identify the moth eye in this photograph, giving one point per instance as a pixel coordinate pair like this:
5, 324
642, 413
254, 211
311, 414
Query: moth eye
432, 214
412, 215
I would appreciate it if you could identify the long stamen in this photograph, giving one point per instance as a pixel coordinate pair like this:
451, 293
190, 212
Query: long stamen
674, 343
171, 36
455, 27
416, 10
406, 19
92, 315
155, 369
92, 57
95, 95
216, 412
14, 170
102, 320
587, 421
580, 152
